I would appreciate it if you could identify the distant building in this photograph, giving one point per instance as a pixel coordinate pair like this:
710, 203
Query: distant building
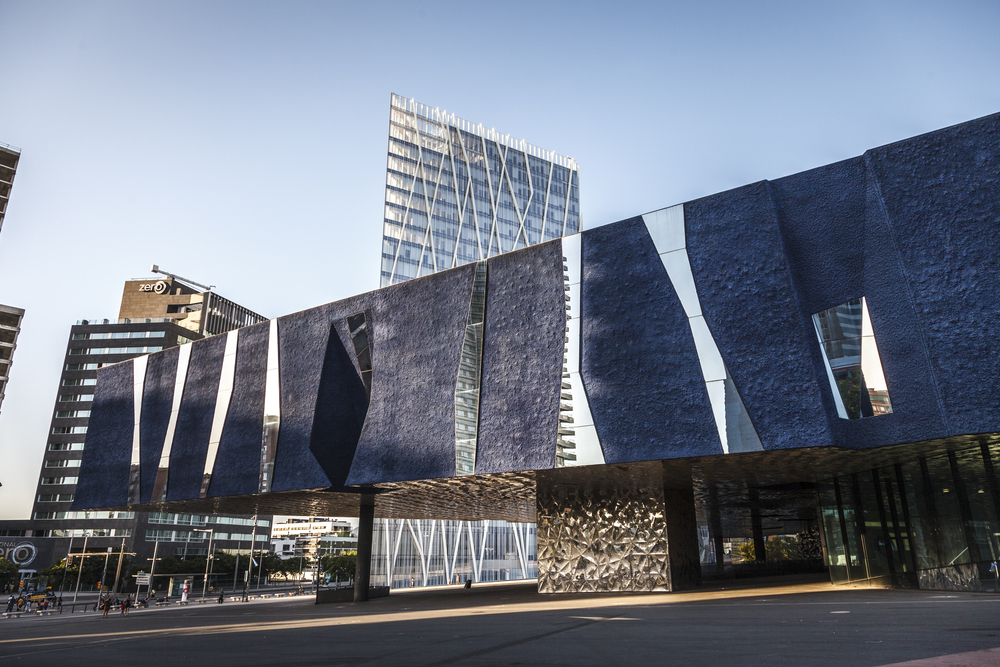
457, 192
10, 327
9, 157
307, 537
170, 298
156, 314
309, 526
10, 317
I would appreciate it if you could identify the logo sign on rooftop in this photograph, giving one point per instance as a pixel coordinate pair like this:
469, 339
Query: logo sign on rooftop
159, 287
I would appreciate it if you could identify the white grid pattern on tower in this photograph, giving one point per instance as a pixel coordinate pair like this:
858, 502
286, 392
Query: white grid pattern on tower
426, 148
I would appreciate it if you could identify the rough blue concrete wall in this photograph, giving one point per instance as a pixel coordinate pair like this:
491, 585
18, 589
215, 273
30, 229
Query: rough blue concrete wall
523, 343
917, 413
237, 465
911, 226
940, 196
157, 399
194, 420
302, 342
749, 302
107, 454
419, 326
821, 213
638, 361
341, 406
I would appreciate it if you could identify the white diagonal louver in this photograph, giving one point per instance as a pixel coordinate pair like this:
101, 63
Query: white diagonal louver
457, 192
736, 430
427, 552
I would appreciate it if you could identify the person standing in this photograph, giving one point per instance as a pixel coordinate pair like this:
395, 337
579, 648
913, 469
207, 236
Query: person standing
107, 606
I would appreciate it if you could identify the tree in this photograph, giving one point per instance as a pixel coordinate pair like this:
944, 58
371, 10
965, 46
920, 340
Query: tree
8, 572
273, 564
779, 547
342, 566
93, 568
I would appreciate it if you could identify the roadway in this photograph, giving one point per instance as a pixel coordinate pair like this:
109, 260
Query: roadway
790, 621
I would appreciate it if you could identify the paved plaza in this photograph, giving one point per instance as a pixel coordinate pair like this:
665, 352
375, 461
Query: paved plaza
783, 622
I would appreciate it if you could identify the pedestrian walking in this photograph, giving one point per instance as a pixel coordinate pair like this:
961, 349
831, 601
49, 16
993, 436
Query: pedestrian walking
107, 606
10, 603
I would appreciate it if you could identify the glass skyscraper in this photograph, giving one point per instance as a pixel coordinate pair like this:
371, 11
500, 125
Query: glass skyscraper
457, 192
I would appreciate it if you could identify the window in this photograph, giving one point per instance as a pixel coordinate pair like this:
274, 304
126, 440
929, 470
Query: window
88, 532
66, 447
852, 362
176, 536
62, 463
55, 497
83, 367
68, 414
58, 480
116, 350
71, 398
69, 430
80, 382
119, 334
84, 515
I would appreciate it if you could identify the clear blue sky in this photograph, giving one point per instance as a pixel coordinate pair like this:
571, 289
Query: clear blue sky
243, 144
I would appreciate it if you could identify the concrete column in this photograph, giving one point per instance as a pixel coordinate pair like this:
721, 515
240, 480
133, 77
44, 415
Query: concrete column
366, 529
756, 525
715, 526
682, 537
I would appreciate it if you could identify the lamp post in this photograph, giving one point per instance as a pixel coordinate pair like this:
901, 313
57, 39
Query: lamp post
105, 572
152, 571
208, 555
79, 571
69, 557
246, 575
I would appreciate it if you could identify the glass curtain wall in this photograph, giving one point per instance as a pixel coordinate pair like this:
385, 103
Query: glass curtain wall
422, 552
928, 523
457, 192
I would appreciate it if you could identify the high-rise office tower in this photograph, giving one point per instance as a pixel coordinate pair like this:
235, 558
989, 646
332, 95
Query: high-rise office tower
457, 192
9, 157
10, 326
155, 314
10, 317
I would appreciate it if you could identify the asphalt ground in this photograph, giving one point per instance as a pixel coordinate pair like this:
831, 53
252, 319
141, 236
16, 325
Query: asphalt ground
785, 622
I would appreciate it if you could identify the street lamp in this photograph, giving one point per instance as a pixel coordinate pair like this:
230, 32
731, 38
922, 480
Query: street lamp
208, 555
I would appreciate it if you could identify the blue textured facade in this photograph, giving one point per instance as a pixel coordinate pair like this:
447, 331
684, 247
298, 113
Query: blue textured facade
635, 383
910, 227
194, 420
157, 397
522, 360
239, 447
109, 455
